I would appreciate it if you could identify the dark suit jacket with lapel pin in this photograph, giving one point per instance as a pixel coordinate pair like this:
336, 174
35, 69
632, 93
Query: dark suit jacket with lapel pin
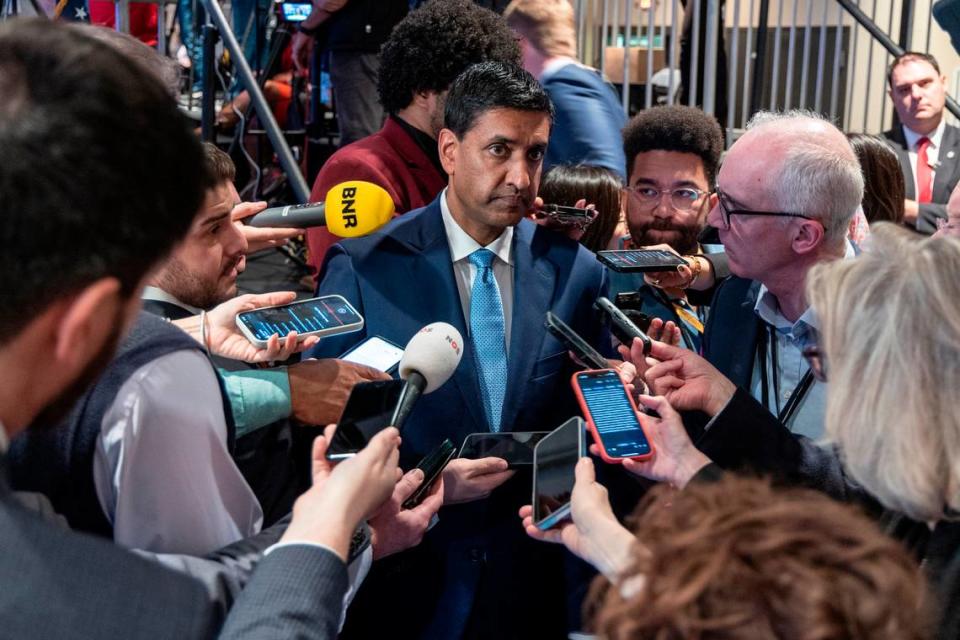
476, 574
944, 180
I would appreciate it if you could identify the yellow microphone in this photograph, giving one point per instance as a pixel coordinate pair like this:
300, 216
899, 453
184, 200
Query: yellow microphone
349, 210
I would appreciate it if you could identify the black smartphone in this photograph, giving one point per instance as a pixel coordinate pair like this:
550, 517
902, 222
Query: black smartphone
432, 466
516, 447
554, 472
323, 316
587, 354
367, 412
640, 260
622, 327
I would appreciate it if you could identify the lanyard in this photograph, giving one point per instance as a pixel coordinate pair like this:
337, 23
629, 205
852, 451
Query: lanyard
793, 403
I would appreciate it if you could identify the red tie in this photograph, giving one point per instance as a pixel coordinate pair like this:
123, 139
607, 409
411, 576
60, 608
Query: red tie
924, 174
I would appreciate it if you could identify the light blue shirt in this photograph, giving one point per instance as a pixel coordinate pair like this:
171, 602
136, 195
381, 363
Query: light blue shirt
790, 339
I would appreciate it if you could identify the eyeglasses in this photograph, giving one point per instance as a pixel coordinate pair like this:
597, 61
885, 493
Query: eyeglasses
726, 211
817, 362
681, 199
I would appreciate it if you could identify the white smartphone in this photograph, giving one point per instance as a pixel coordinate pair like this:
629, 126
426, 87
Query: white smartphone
323, 316
375, 352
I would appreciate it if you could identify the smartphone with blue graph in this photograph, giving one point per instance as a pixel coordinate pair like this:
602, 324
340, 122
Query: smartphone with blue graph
323, 316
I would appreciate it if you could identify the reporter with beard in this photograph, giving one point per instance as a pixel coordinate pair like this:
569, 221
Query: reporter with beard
672, 158
74, 113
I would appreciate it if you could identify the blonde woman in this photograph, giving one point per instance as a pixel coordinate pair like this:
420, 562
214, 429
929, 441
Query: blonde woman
890, 345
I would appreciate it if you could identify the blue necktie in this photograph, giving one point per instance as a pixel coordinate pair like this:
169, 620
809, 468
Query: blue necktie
488, 336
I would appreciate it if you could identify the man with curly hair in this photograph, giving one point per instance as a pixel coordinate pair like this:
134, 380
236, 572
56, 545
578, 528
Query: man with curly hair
425, 52
672, 155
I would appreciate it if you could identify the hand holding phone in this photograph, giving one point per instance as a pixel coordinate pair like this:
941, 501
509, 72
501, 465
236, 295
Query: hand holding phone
323, 316
432, 466
641, 260
375, 352
554, 462
622, 327
572, 341
367, 412
468, 480
516, 447
611, 415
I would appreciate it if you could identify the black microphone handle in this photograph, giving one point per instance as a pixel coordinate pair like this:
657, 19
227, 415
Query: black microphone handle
412, 390
298, 216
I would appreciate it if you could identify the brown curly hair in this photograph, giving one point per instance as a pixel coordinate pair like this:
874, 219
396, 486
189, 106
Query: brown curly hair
738, 559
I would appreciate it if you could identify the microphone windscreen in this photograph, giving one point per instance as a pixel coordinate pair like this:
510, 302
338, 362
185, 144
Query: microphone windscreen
434, 352
357, 208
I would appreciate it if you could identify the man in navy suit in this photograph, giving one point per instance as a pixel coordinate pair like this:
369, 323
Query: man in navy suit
472, 260
589, 115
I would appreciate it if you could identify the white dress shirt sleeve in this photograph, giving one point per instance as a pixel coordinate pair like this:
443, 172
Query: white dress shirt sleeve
162, 470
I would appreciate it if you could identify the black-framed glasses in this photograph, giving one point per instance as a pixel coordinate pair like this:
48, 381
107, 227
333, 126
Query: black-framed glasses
681, 199
817, 361
726, 211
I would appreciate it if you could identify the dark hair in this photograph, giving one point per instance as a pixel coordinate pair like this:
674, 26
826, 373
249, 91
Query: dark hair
219, 165
739, 559
492, 85
675, 128
565, 184
99, 173
434, 44
907, 56
883, 188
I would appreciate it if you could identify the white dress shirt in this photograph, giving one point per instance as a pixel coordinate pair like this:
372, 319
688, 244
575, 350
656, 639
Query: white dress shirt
933, 152
461, 246
162, 470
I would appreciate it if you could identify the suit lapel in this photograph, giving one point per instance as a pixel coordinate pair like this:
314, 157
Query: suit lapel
431, 273
899, 147
948, 164
534, 278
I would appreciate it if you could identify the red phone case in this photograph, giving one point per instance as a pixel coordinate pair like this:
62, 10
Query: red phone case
593, 428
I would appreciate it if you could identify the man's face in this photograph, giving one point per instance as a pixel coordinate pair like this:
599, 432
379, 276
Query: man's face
494, 170
919, 94
659, 221
755, 245
203, 270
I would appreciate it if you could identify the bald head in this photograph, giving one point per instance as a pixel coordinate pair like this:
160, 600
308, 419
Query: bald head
804, 165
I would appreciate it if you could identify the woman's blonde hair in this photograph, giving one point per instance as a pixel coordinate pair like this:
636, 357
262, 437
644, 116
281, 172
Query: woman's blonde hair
549, 25
890, 331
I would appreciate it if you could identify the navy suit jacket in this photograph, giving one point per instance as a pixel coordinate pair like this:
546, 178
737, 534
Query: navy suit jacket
476, 573
731, 334
588, 120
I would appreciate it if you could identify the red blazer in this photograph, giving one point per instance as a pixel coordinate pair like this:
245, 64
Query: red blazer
389, 158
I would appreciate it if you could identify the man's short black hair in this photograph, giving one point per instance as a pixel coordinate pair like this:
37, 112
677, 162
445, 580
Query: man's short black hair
675, 128
99, 173
908, 56
434, 44
492, 85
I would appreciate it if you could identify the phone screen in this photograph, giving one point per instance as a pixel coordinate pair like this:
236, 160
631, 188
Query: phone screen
296, 11
613, 415
375, 352
515, 447
368, 411
555, 462
643, 260
316, 314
